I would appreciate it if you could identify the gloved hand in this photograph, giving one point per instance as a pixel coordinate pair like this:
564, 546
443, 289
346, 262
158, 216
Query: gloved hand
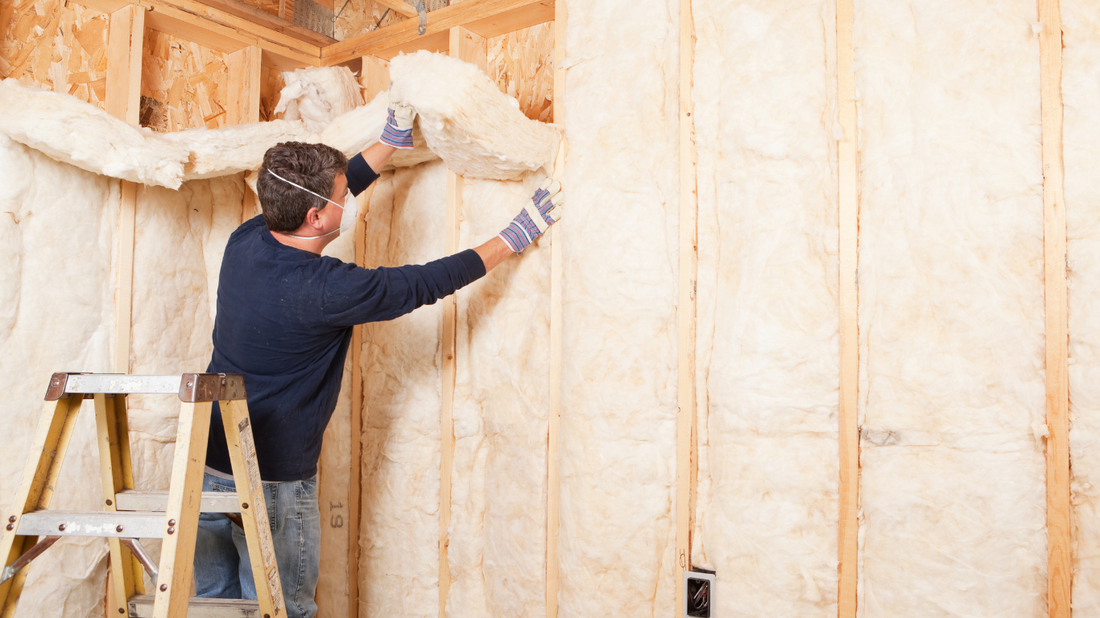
536, 217
399, 126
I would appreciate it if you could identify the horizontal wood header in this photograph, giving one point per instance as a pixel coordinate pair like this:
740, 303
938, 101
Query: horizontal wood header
230, 25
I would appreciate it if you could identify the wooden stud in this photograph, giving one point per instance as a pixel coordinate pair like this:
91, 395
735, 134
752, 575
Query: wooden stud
125, 36
467, 46
355, 478
1059, 524
485, 18
243, 100
124, 40
178, 548
243, 104
446, 416
122, 581
848, 533
250, 495
375, 77
553, 428
126, 33
464, 45
686, 448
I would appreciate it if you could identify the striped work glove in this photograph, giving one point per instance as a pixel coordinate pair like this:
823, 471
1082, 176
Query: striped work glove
399, 126
537, 216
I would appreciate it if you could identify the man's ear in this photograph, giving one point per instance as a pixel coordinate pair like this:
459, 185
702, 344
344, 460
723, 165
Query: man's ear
313, 217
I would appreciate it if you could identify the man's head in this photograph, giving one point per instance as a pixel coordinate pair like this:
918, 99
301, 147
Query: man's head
313, 166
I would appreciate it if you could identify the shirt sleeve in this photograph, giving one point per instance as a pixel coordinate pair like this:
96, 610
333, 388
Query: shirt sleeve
355, 295
359, 174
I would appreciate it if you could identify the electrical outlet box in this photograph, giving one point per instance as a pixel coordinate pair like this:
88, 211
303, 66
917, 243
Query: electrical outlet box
698, 593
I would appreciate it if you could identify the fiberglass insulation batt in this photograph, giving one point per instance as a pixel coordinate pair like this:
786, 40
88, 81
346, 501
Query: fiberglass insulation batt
57, 311
950, 310
178, 244
402, 381
1081, 95
619, 289
767, 316
498, 526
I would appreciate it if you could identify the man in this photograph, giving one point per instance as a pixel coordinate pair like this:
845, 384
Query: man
284, 321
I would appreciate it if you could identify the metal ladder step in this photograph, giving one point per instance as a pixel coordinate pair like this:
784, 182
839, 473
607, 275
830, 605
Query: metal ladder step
92, 523
141, 606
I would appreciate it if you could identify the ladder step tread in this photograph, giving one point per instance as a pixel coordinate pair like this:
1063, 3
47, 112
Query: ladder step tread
141, 606
92, 523
142, 500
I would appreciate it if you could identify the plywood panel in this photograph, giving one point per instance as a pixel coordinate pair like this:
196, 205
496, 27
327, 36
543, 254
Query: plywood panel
57, 46
522, 63
355, 17
271, 84
183, 86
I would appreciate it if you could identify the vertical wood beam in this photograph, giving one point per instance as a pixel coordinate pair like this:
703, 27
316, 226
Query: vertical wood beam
847, 538
553, 428
126, 31
469, 47
1059, 530
446, 417
243, 98
686, 447
243, 104
375, 79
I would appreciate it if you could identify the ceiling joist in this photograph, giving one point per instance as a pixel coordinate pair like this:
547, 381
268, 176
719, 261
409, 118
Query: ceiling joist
486, 18
229, 26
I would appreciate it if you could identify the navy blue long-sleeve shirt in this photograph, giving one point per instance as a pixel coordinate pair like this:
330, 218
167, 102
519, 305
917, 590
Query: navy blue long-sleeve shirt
284, 321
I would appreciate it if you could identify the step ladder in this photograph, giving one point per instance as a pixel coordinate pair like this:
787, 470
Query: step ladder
129, 515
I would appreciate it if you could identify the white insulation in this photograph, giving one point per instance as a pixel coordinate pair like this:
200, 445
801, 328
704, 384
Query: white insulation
467, 121
1081, 96
498, 535
58, 315
768, 323
74, 132
402, 397
950, 310
317, 96
618, 400
951, 314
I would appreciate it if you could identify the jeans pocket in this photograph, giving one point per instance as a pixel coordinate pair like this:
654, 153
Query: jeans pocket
222, 488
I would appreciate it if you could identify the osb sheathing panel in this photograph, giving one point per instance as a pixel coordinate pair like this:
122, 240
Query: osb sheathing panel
183, 84
55, 45
271, 83
522, 64
359, 16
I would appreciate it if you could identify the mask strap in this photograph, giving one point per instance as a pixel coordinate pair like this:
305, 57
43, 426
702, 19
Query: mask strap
337, 231
303, 189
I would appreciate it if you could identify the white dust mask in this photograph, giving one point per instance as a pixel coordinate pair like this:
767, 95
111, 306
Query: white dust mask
350, 208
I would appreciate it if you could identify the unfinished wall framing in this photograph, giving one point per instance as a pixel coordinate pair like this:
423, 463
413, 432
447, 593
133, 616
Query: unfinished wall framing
843, 305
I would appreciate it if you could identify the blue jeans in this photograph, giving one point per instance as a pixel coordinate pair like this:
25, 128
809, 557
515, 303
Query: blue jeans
222, 569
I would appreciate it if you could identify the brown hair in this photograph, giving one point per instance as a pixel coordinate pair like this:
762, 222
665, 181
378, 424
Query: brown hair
313, 166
